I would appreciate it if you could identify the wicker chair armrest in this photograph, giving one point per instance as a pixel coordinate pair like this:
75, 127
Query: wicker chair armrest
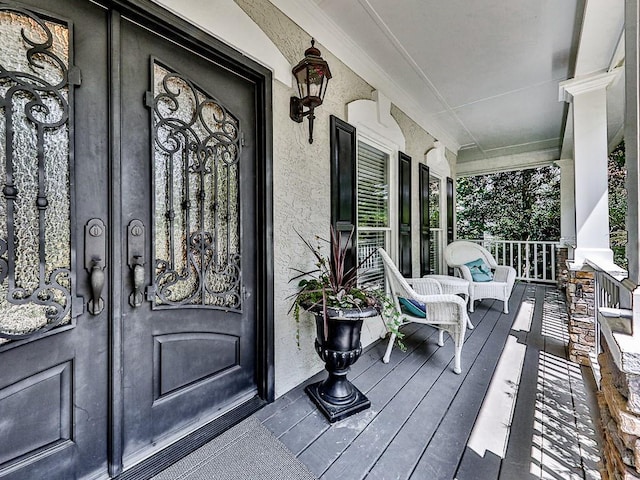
441, 298
445, 308
504, 273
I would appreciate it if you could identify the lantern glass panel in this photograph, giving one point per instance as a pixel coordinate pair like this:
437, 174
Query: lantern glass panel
301, 80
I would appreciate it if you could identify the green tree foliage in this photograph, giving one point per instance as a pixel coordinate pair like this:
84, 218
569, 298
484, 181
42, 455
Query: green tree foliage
518, 205
618, 205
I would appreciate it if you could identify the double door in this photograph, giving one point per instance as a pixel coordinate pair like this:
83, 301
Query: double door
128, 239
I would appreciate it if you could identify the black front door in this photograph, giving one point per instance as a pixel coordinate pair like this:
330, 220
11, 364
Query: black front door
188, 191
129, 242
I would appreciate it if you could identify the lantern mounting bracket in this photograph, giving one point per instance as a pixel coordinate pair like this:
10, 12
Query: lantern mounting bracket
296, 110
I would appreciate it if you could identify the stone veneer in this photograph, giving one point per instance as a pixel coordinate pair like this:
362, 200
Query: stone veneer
619, 404
580, 289
562, 268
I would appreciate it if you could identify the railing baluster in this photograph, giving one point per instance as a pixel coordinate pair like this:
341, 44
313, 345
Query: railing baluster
520, 271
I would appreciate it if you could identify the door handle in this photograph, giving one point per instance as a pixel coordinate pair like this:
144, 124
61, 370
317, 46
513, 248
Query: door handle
135, 260
94, 254
136, 298
96, 303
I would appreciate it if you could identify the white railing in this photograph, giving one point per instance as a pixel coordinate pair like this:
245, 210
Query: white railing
533, 261
613, 297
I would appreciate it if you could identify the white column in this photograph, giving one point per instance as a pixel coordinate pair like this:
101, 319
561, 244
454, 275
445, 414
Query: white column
589, 98
567, 204
631, 134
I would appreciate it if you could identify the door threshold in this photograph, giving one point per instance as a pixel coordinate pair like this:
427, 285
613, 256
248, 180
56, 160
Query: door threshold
162, 459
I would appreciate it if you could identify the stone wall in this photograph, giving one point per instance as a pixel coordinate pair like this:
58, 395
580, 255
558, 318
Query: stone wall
619, 404
581, 308
562, 270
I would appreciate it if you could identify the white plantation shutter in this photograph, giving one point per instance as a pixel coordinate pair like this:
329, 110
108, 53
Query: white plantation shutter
373, 211
373, 187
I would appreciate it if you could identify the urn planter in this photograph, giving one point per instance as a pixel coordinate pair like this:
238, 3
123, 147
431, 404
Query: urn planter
336, 397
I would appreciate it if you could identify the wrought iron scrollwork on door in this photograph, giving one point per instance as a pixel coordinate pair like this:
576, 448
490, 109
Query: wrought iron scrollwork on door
196, 231
36, 98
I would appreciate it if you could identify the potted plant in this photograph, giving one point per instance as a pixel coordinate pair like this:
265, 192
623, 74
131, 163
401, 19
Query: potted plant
331, 292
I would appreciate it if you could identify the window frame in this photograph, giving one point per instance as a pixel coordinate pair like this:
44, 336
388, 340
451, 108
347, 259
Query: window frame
442, 227
363, 135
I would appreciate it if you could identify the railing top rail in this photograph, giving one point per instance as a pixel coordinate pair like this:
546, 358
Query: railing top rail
613, 272
499, 240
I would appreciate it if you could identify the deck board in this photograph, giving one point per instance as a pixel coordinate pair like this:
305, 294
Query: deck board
441, 457
423, 415
420, 427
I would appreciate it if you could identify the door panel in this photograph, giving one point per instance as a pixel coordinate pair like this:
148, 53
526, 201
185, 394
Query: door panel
188, 174
53, 380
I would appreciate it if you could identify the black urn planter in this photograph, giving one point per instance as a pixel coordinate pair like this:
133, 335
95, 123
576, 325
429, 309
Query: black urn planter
336, 397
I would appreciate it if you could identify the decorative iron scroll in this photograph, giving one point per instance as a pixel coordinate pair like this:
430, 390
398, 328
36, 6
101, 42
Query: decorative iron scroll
196, 145
35, 153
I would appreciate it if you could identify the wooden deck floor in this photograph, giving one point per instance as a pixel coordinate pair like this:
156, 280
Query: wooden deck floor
519, 410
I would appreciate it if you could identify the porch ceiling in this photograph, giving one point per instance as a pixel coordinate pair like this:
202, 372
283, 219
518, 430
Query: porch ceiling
481, 76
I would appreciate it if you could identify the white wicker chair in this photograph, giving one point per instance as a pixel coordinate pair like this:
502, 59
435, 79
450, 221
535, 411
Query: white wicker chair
458, 253
448, 313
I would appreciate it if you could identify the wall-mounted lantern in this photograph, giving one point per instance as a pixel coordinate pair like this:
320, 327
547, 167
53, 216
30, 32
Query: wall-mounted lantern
312, 76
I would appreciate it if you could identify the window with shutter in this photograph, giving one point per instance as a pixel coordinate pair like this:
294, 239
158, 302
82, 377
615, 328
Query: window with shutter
374, 227
425, 225
436, 232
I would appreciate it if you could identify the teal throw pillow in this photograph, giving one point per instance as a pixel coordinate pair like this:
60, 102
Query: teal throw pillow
480, 271
413, 307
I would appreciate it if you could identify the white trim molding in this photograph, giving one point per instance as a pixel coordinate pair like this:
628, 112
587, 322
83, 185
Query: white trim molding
226, 21
436, 160
373, 118
577, 86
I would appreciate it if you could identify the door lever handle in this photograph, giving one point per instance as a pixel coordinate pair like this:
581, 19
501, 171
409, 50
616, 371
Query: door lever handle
96, 303
135, 260
94, 262
137, 297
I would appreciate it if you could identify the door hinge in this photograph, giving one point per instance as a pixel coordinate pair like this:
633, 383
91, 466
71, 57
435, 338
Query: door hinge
148, 99
74, 75
242, 143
